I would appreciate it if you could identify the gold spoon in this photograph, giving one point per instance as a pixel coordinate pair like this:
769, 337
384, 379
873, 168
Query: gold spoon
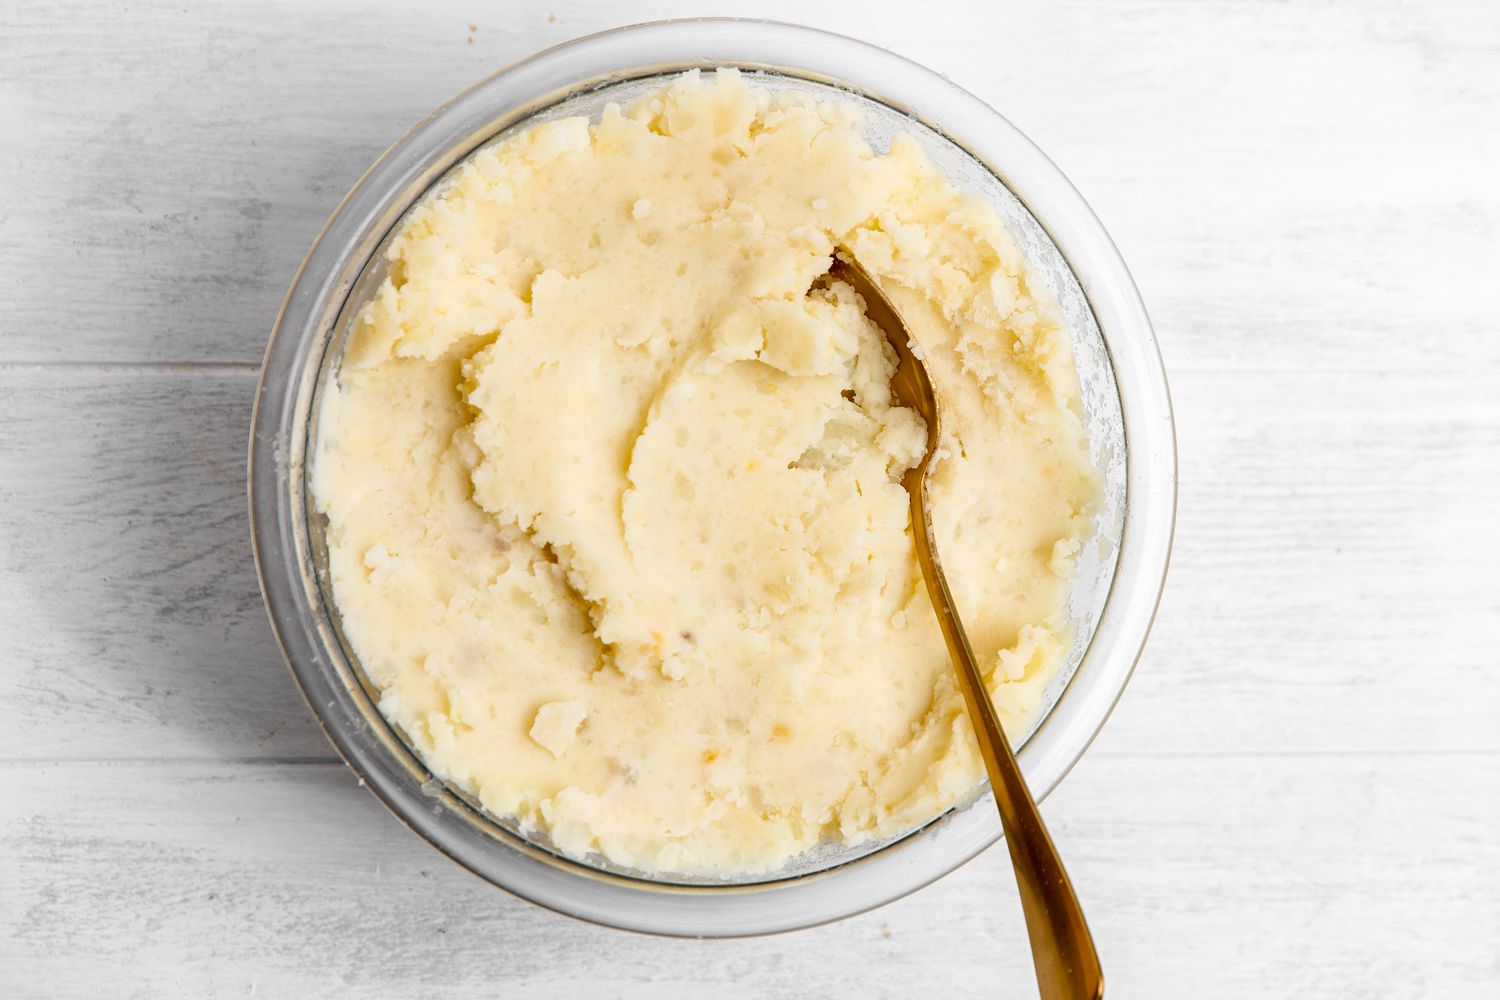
1067, 967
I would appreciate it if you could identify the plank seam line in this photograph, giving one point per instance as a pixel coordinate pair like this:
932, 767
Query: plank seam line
134, 367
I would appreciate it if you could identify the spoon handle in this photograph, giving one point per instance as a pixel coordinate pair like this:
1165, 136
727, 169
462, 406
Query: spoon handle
1067, 966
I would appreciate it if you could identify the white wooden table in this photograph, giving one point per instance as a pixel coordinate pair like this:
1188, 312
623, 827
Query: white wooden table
1299, 795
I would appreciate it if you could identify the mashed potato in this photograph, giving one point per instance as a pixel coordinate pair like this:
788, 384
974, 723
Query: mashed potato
612, 481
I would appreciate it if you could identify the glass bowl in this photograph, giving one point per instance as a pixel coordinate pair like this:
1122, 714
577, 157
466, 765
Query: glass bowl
1120, 573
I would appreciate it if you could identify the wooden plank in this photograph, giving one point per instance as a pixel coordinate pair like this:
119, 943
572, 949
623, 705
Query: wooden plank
1336, 573
1303, 876
128, 600
1295, 185
1333, 588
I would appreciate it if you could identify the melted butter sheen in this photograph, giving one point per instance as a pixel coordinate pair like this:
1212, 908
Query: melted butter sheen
612, 483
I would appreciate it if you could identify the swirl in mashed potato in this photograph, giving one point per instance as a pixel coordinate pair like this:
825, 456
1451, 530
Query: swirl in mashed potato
612, 481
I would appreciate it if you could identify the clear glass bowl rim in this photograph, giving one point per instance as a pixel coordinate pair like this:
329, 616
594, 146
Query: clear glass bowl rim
280, 432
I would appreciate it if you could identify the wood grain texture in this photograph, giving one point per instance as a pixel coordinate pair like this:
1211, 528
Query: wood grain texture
1248, 878
1257, 162
133, 620
1299, 795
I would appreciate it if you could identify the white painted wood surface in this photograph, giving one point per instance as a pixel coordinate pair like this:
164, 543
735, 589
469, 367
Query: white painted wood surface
1299, 795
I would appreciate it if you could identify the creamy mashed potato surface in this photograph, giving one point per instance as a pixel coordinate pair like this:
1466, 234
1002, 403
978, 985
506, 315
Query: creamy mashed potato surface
612, 481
